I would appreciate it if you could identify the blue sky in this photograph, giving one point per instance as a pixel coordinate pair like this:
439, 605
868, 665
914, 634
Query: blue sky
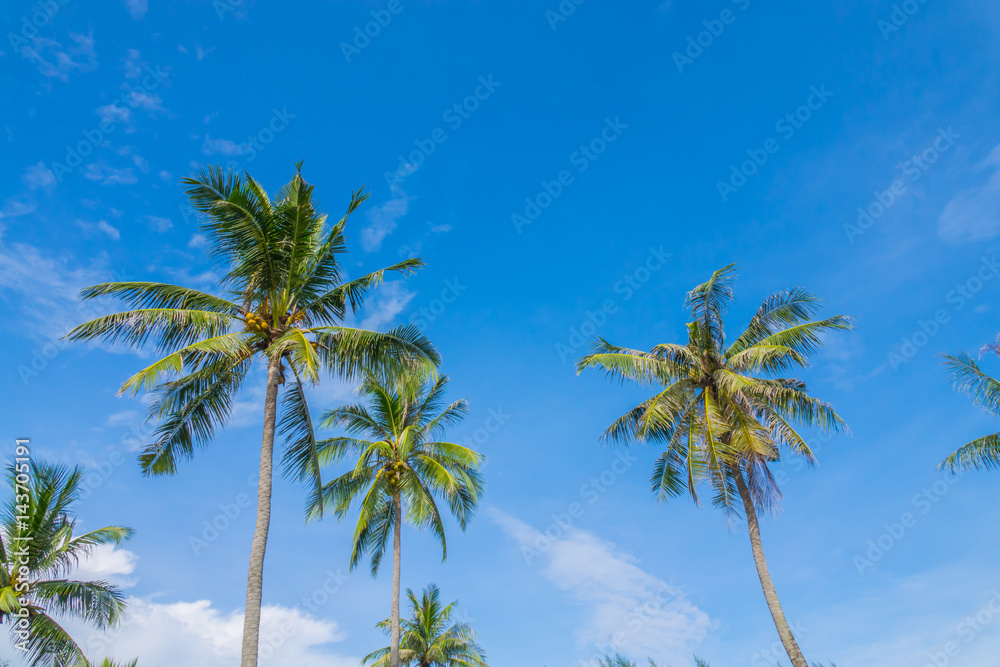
564, 169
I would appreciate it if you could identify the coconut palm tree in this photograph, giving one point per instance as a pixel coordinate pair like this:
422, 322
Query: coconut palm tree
722, 415
286, 306
982, 453
401, 461
39, 550
429, 638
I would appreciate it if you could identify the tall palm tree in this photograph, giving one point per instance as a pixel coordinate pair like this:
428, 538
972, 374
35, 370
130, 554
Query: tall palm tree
400, 461
722, 414
982, 453
39, 550
429, 638
286, 308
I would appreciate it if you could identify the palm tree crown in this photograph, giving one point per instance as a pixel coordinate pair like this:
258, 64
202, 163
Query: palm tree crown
721, 409
288, 303
401, 457
39, 549
429, 638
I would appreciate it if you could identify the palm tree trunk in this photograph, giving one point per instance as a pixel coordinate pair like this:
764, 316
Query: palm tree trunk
255, 579
396, 543
771, 595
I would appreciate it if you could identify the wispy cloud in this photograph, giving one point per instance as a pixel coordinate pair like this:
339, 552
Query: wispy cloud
101, 226
385, 304
108, 175
630, 609
137, 8
974, 214
382, 220
55, 61
160, 224
38, 176
222, 146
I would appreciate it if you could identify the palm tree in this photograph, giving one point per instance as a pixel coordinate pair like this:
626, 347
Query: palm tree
39, 549
982, 453
288, 301
403, 462
722, 415
429, 638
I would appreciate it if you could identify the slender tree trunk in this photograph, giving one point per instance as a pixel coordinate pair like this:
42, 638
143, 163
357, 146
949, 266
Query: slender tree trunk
396, 543
771, 595
255, 579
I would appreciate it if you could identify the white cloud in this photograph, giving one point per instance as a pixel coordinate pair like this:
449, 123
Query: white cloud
114, 114
123, 417
166, 176
198, 241
49, 289
39, 176
79, 57
197, 634
107, 563
384, 304
137, 8
108, 175
222, 146
103, 227
160, 224
630, 609
382, 220
133, 64
974, 214
200, 52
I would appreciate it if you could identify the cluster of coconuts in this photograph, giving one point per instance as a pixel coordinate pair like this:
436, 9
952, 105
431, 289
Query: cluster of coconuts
256, 323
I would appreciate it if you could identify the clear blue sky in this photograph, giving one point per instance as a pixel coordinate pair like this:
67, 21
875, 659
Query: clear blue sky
562, 173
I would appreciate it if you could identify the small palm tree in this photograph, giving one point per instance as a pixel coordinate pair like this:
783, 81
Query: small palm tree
39, 549
429, 638
982, 453
401, 462
722, 415
288, 300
